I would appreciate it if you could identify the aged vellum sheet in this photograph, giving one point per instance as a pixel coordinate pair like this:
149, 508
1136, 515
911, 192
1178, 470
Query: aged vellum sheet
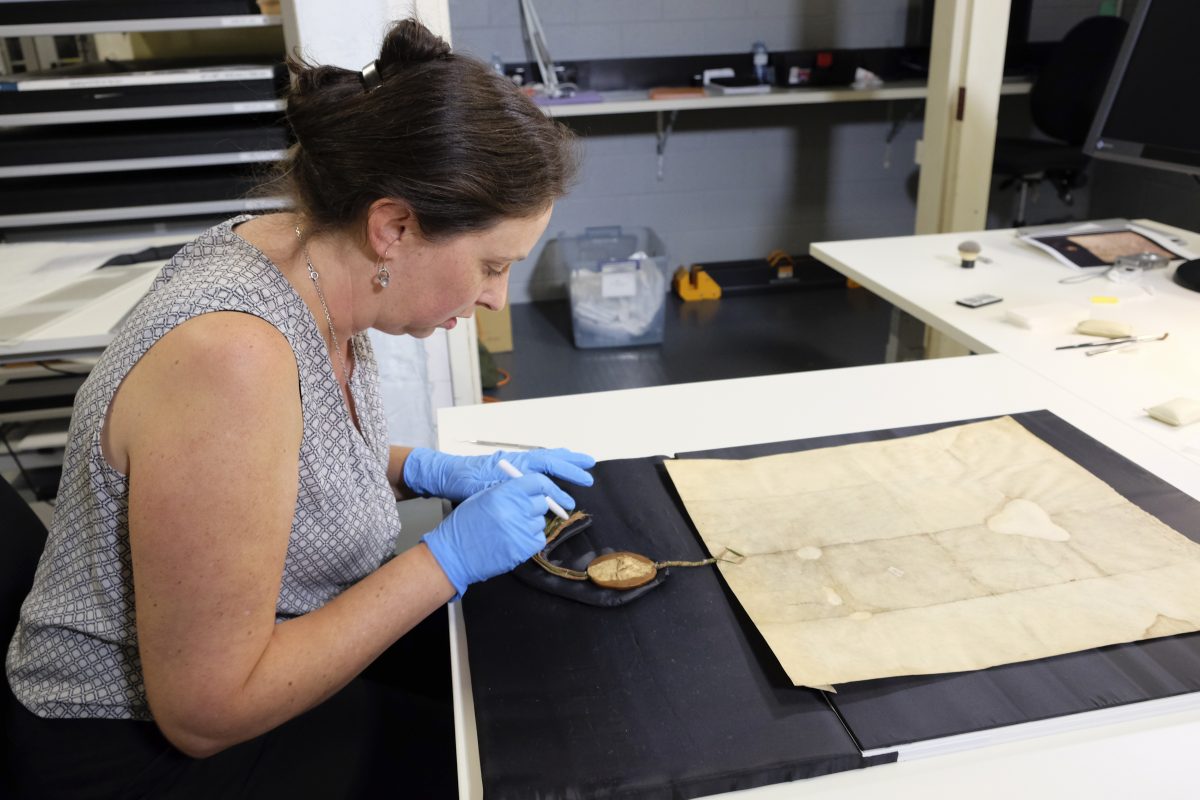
964, 548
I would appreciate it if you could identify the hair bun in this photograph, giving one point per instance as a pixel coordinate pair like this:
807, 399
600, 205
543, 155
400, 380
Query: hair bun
410, 42
310, 78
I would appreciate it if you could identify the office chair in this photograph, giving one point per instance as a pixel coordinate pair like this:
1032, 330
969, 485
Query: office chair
1065, 96
22, 539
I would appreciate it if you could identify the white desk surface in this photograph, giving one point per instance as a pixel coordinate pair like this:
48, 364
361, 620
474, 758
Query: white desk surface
31, 269
1143, 757
921, 275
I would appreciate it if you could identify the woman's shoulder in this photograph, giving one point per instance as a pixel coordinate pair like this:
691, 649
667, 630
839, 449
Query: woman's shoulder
221, 271
215, 370
220, 248
230, 343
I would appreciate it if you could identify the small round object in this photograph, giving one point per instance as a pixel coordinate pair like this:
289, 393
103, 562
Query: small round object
968, 251
621, 570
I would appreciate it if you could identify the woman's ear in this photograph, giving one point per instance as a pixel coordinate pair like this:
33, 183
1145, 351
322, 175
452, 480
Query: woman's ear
389, 221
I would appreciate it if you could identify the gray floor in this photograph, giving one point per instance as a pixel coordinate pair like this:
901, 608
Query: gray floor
734, 337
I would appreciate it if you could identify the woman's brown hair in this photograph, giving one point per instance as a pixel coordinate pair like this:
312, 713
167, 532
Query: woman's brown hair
441, 131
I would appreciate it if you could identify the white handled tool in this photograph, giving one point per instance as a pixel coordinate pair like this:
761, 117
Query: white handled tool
513, 472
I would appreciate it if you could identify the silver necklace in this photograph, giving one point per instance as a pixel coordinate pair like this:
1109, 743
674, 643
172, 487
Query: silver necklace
312, 274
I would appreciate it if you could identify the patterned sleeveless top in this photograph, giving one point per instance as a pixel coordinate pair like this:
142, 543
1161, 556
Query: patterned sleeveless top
75, 651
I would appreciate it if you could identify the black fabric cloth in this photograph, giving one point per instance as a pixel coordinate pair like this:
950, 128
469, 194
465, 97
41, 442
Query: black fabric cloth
677, 695
573, 548
894, 711
21, 544
672, 696
375, 738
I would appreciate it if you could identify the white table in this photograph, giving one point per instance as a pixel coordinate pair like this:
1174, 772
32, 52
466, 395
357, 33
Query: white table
1105, 757
921, 276
31, 269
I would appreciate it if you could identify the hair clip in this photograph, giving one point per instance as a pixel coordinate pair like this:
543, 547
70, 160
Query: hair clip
370, 76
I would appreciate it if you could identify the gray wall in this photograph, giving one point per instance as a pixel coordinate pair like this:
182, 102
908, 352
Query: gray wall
741, 182
586, 29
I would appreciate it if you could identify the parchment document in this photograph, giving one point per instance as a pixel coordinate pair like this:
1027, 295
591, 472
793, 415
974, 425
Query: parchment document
961, 549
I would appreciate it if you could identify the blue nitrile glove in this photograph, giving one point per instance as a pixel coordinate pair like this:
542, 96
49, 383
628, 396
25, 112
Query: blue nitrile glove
494, 530
430, 472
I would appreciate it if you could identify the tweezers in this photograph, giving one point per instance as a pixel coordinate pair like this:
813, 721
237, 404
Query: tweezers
512, 445
1110, 342
1121, 344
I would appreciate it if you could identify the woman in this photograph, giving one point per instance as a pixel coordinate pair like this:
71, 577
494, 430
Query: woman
217, 574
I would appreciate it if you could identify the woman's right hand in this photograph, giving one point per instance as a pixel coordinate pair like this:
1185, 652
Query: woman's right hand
493, 531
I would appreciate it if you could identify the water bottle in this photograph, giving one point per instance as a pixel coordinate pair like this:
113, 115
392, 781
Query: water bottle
760, 62
497, 64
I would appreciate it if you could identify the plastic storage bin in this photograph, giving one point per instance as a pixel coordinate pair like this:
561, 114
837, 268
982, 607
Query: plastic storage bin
617, 286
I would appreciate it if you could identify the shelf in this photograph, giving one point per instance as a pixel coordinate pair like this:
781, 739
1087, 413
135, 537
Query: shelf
140, 139
34, 437
142, 25
140, 146
141, 112
19, 372
133, 164
40, 399
33, 460
636, 102
51, 439
91, 215
36, 415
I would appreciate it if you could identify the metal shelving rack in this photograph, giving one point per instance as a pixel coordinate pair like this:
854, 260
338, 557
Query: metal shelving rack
141, 25
17, 175
144, 112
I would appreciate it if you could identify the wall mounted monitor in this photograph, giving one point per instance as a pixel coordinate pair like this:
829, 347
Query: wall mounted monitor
1149, 115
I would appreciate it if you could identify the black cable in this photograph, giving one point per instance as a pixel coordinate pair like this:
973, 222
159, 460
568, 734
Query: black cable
49, 368
20, 467
900, 123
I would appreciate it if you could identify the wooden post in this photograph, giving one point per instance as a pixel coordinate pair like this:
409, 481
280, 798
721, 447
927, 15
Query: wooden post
966, 68
965, 71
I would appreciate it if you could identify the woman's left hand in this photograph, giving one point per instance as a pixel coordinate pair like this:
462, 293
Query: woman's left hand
456, 478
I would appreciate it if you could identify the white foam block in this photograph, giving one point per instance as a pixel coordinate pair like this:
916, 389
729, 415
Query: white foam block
1110, 328
1180, 411
1050, 316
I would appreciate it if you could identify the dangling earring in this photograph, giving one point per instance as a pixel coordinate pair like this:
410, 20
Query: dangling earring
382, 276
